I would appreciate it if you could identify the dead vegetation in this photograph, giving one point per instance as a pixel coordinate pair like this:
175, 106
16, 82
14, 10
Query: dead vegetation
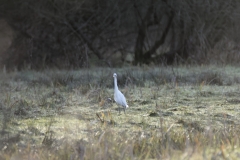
175, 113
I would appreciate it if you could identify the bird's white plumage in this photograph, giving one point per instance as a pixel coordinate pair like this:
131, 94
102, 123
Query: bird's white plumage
118, 96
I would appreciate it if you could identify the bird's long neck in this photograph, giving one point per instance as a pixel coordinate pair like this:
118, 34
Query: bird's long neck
115, 84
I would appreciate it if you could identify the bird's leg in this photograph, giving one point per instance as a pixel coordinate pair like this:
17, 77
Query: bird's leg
119, 109
124, 108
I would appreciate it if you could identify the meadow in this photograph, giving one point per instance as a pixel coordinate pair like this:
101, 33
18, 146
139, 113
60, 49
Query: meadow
182, 112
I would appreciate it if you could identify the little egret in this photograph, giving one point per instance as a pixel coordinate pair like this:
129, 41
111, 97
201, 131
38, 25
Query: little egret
118, 96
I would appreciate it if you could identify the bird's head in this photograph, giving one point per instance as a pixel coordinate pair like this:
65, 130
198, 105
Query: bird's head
114, 75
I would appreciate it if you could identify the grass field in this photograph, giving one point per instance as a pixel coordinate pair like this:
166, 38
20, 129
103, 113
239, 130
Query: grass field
182, 112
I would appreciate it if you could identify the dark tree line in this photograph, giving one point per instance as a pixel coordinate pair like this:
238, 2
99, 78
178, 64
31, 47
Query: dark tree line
70, 33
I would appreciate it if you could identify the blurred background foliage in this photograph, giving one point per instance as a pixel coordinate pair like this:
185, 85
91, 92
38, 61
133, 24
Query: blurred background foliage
73, 34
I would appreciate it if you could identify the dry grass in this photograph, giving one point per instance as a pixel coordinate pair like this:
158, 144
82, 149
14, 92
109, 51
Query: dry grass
175, 113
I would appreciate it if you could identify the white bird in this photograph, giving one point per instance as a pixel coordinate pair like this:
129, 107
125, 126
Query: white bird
118, 96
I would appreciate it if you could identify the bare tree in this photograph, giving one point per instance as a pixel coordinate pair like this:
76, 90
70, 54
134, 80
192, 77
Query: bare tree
189, 28
57, 32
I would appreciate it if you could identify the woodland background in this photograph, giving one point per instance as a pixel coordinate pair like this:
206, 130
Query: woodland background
73, 34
